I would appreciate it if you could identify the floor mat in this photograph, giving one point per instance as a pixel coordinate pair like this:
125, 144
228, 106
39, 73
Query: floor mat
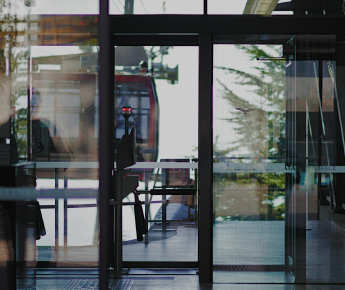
88, 284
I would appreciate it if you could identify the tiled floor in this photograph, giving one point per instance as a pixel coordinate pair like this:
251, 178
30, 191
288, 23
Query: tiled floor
260, 244
254, 250
168, 282
181, 247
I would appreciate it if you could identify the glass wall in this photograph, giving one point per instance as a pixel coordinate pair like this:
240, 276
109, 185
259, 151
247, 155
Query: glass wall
48, 139
278, 156
233, 7
249, 169
39, 7
64, 116
274, 7
278, 145
159, 84
156, 7
226, 7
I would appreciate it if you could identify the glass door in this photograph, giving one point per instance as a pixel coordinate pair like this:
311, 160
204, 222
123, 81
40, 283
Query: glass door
295, 207
254, 163
278, 155
159, 86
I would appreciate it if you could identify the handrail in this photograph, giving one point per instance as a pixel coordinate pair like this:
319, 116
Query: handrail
95, 165
220, 167
29, 193
174, 191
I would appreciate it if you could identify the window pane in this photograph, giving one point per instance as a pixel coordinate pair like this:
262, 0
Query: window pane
164, 111
278, 161
156, 7
249, 140
39, 7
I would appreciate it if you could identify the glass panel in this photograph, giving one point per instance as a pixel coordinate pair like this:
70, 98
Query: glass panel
164, 112
48, 140
171, 218
278, 175
37, 7
269, 7
226, 7
156, 7
65, 117
249, 170
273, 7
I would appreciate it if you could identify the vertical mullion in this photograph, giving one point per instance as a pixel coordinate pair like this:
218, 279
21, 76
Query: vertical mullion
205, 164
56, 211
65, 208
106, 139
28, 118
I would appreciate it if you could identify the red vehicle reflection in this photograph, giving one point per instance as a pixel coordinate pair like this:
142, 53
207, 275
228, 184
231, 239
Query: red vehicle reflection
66, 108
139, 93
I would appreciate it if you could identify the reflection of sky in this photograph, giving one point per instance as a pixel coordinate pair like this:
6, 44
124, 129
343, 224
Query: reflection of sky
230, 56
180, 6
279, 200
55, 7
140, 7
178, 105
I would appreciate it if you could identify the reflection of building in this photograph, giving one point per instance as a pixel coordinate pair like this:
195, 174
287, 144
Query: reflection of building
62, 29
68, 103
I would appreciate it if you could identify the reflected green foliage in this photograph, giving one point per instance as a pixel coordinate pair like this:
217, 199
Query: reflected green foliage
274, 180
13, 71
21, 130
249, 196
261, 129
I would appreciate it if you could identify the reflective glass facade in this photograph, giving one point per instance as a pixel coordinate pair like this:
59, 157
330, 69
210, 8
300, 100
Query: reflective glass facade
233, 171
275, 183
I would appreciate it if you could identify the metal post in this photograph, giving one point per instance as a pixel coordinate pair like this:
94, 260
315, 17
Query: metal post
129, 6
164, 213
56, 211
106, 139
196, 205
118, 255
28, 118
126, 125
118, 239
205, 152
147, 206
321, 138
65, 209
56, 178
65, 178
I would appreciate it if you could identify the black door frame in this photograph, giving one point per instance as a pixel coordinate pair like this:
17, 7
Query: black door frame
205, 111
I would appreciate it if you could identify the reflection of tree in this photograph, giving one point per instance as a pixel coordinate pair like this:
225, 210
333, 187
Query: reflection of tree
13, 79
259, 124
260, 129
217, 151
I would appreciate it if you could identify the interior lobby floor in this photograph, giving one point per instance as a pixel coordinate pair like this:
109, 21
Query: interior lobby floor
255, 248
159, 282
